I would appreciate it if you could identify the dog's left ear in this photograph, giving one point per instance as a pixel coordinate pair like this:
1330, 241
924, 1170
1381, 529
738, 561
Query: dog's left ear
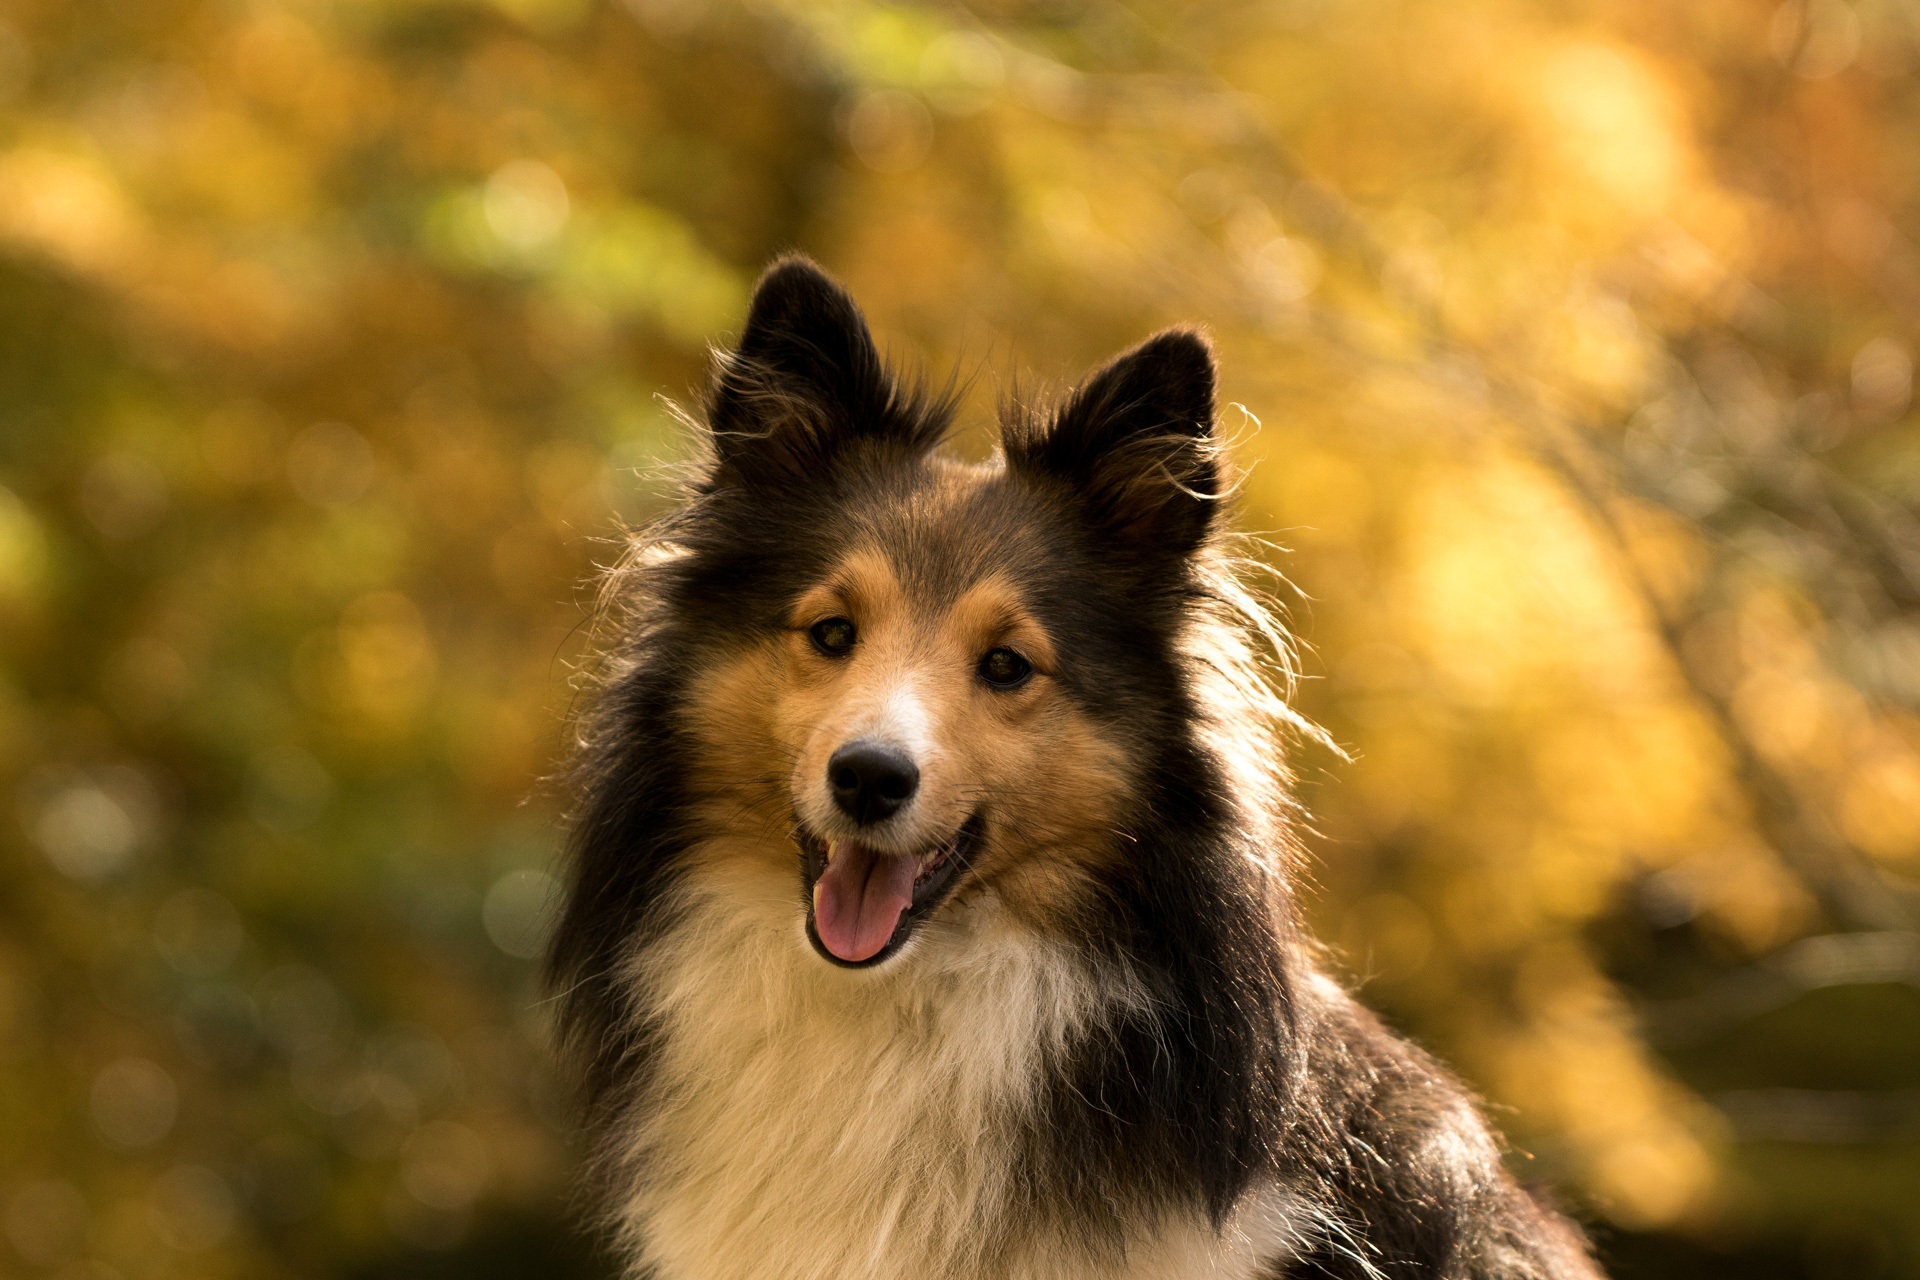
1135, 441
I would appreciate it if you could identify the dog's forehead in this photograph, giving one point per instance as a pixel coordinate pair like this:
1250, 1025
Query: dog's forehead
952, 527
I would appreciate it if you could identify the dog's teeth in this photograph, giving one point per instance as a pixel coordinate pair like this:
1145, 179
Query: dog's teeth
831, 846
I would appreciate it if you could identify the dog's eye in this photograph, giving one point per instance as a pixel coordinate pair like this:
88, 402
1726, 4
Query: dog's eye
1005, 669
833, 636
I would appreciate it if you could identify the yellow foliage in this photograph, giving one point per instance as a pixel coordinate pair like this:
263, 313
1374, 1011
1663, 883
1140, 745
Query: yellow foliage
1567, 352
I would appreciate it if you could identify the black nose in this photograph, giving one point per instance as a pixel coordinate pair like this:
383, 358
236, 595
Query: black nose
871, 780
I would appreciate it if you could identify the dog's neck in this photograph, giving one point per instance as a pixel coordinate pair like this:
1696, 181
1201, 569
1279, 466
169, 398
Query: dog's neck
868, 1120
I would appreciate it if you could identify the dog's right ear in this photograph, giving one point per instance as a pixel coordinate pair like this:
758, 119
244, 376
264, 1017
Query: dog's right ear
806, 380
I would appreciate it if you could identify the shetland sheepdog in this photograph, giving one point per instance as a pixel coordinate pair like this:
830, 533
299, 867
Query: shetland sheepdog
931, 898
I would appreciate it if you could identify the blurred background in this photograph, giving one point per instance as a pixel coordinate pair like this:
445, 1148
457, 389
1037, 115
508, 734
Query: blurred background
1569, 348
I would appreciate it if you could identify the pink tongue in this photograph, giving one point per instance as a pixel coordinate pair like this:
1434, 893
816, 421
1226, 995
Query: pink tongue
858, 899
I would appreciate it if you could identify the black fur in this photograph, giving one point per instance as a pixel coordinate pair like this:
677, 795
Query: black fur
806, 382
1245, 1067
1134, 446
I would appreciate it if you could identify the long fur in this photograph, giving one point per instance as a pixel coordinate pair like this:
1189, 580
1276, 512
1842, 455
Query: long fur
1157, 1079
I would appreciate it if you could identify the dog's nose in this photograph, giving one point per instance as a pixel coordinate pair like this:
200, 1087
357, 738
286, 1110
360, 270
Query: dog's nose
871, 780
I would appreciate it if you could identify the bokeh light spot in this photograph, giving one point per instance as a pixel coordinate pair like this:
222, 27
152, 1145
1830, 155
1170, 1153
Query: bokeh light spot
193, 1208
330, 464
134, 1102
526, 204
517, 912
890, 130
47, 1222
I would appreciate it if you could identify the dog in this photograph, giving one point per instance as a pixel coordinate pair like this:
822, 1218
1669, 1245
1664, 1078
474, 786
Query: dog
931, 880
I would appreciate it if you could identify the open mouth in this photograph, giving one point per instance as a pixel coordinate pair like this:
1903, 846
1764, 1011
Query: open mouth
863, 904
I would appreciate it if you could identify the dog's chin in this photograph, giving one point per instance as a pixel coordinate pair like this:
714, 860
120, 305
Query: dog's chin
935, 870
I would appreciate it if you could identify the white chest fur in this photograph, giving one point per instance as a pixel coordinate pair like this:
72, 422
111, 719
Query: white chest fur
811, 1123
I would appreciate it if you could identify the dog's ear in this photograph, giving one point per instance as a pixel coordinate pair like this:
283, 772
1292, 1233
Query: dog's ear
805, 380
1135, 442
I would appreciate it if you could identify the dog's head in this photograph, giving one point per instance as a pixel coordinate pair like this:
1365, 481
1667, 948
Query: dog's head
915, 682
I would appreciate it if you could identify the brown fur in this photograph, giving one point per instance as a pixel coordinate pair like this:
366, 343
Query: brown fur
780, 708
